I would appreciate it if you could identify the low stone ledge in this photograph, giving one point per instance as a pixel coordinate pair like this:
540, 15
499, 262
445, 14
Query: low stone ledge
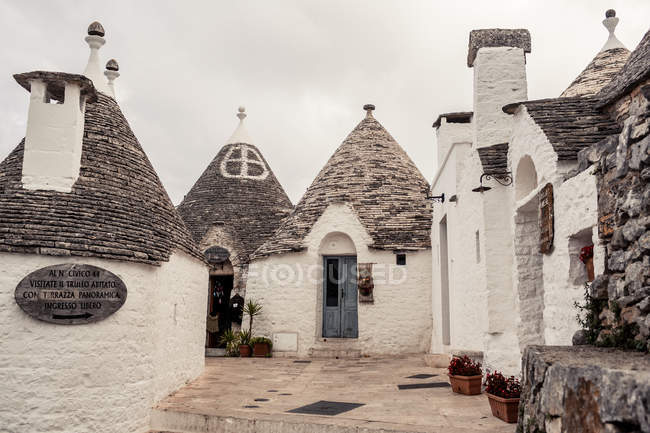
584, 389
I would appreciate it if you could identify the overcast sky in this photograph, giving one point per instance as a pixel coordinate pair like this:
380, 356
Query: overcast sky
303, 69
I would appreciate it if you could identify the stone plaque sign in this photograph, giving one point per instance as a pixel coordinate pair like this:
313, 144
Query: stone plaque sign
70, 294
216, 255
546, 219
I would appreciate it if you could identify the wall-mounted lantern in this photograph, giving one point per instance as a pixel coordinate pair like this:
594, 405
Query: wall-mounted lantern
504, 179
437, 198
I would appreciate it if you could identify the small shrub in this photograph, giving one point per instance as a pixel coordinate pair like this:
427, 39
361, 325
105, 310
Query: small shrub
464, 366
497, 384
588, 315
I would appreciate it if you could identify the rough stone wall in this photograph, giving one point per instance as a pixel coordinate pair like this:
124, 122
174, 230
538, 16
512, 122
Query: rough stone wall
584, 390
529, 275
219, 235
66, 378
624, 222
289, 287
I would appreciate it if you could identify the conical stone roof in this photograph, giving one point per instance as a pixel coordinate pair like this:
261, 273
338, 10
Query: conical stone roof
239, 192
371, 172
600, 71
604, 67
117, 209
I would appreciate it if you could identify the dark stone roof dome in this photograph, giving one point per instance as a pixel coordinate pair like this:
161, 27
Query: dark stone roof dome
372, 173
237, 191
118, 208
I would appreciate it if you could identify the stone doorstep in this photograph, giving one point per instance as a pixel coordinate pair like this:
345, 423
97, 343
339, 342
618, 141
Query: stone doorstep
335, 353
166, 421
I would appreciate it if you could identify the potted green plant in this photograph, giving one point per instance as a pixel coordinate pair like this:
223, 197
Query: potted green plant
261, 347
244, 343
252, 309
465, 375
503, 394
231, 340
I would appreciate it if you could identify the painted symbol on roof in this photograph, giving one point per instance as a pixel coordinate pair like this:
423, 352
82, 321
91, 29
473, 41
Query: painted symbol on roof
244, 162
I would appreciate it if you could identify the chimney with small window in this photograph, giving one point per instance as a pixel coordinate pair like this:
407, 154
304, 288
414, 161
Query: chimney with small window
55, 126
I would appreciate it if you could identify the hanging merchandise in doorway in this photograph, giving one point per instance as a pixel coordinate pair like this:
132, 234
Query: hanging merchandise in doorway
365, 282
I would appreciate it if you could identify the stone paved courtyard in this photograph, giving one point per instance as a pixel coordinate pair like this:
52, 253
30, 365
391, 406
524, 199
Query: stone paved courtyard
255, 395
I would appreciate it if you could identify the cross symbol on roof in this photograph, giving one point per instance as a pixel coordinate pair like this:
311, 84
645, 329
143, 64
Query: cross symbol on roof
246, 163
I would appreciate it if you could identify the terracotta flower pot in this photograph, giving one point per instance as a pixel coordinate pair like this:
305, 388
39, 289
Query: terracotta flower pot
468, 385
244, 350
506, 409
260, 350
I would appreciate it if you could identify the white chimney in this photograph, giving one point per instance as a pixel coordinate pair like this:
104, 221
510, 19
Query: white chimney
55, 127
499, 61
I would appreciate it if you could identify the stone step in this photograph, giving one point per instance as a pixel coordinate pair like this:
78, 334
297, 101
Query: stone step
212, 352
167, 421
335, 353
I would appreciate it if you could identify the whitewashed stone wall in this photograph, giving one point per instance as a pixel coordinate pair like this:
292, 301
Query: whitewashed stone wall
107, 375
466, 266
289, 286
560, 282
499, 79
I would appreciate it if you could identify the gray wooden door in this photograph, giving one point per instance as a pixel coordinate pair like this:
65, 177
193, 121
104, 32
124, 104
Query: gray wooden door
340, 318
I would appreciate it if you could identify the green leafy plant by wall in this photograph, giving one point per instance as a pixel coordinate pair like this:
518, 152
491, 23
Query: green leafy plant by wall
620, 335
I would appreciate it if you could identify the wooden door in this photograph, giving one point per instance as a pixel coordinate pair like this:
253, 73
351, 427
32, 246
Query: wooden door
340, 315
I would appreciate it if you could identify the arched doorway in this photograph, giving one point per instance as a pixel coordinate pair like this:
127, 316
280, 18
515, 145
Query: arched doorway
340, 298
528, 258
219, 313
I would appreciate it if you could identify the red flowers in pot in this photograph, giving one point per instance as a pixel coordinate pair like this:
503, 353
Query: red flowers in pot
503, 395
465, 375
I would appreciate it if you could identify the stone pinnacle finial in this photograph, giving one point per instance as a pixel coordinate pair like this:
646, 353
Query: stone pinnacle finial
610, 22
369, 109
111, 72
95, 40
242, 113
95, 28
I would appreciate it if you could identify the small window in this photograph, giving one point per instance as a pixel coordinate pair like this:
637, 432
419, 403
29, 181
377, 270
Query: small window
401, 259
478, 248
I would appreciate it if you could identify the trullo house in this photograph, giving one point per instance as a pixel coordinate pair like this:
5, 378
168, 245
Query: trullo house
234, 206
87, 232
367, 210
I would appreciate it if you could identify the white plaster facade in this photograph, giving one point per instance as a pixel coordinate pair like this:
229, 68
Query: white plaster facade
561, 275
290, 289
52, 155
103, 376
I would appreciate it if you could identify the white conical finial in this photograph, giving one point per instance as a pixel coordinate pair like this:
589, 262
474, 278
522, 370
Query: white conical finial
610, 22
112, 73
95, 40
240, 135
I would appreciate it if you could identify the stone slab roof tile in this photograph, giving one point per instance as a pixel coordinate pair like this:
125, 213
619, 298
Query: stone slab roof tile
371, 172
600, 71
494, 159
570, 124
117, 209
636, 69
455, 117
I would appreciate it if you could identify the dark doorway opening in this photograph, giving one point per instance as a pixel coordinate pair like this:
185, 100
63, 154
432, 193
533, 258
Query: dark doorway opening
218, 309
